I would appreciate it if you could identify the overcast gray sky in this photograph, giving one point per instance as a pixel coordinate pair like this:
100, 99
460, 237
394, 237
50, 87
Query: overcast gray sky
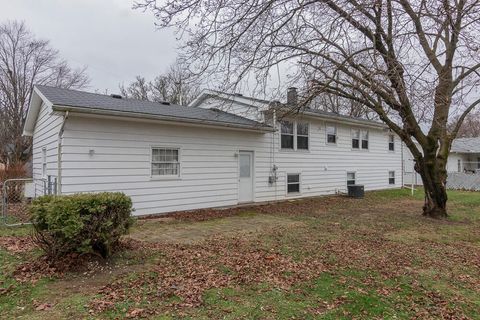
115, 42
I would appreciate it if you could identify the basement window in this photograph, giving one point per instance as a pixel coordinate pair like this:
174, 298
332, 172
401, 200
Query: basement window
351, 178
165, 162
391, 177
293, 183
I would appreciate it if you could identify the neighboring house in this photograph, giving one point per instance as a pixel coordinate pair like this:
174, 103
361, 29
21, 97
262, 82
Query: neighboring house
170, 158
464, 157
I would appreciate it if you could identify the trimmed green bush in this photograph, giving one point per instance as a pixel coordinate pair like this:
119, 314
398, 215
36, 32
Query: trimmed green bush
81, 223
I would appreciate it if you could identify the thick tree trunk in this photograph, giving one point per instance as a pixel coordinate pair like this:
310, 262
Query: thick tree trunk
434, 176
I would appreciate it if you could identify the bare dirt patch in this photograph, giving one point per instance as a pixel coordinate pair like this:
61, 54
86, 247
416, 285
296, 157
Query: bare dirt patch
164, 231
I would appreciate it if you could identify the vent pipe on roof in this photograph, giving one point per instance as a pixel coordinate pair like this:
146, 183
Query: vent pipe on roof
292, 96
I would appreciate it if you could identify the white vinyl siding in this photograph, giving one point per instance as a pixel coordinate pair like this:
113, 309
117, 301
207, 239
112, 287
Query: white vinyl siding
45, 148
209, 163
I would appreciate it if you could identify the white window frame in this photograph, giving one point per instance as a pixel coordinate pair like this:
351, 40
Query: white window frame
391, 141
288, 134
326, 133
44, 162
389, 177
361, 139
299, 183
295, 135
302, 135
179, 161
354, 177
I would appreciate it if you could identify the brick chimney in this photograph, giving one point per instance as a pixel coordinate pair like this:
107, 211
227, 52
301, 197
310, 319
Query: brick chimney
292, 96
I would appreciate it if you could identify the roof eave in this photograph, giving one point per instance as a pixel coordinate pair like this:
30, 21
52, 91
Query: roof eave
104, 112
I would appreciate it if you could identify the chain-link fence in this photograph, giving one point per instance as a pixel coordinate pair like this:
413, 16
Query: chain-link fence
17, 194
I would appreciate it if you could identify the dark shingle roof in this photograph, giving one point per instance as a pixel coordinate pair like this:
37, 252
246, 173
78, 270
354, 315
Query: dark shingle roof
88, 101
466, 145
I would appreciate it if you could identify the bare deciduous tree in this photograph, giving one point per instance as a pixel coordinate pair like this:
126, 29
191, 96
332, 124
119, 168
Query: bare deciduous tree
177, 86
399, 58
470, 127
24, 62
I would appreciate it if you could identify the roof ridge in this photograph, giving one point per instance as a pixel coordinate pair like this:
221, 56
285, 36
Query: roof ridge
105, 95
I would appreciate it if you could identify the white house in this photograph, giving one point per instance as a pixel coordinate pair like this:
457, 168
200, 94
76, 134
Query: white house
464, 157
169, 157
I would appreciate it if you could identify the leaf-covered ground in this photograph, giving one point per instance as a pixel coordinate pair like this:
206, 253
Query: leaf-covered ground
322, 258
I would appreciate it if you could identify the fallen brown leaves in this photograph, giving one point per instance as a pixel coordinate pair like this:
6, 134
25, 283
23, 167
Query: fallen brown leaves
17, 244
188, 271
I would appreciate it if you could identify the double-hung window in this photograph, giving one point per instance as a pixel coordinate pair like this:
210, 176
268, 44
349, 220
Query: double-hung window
364, 139
355, 139
287, 135
331, 131
391, 142
302, 136
165, 162
391, 177
294, 135
351, 179
293, 183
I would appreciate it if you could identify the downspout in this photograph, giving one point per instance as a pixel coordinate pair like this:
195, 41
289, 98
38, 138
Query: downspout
59, 155
274, 148
402, 162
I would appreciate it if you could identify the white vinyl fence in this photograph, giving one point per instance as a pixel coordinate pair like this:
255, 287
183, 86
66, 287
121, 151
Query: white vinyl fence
463, 181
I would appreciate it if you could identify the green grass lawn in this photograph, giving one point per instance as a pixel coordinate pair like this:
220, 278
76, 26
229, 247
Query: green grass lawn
321, 258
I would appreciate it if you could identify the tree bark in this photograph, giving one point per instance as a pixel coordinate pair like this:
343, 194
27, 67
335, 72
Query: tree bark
433, 171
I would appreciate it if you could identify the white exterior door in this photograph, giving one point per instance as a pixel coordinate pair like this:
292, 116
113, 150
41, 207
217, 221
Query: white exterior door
245, 170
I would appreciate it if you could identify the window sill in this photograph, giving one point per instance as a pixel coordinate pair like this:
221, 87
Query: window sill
295, 151
358, 149
165, 178
293, 194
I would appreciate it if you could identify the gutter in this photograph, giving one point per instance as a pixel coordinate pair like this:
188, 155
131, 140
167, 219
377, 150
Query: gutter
160, 117
59, 155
